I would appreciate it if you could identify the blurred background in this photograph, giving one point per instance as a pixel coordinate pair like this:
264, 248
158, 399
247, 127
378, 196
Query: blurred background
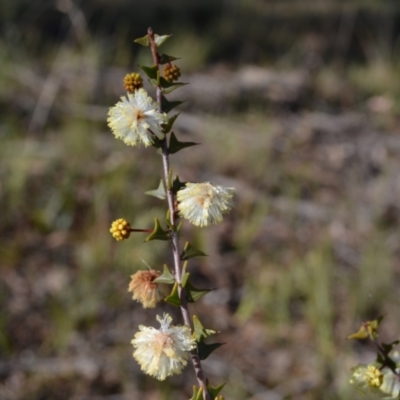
296, 104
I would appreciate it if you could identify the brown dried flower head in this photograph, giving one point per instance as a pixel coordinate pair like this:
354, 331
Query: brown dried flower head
145, 290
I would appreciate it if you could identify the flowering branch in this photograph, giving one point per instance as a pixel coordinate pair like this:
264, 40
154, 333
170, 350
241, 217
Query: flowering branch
138, 119
174, 233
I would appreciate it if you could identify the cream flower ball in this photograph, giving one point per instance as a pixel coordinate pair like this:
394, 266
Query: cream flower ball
205, 203
136, 119
163, 352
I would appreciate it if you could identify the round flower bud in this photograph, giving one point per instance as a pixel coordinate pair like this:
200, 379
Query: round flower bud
120, 229
171, 72
133, 82
145, 290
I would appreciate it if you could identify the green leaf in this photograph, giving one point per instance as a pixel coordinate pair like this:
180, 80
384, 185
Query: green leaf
175, 145
167, 106
206, 349
173, 298
158, 233
190, 252
215, 391
193, 294
386, 361
185, 278
200, 333
168, 126
362, 333
177, 185
159, 192
153, 83
144, 41
165, 59
197, 393
171, 227
178, 229
151, 72
165, 277
168, 87
160, 40
157, 143
368, 329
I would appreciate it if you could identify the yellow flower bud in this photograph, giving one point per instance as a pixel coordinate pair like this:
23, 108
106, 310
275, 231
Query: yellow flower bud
133, 82
120, 229
171, 72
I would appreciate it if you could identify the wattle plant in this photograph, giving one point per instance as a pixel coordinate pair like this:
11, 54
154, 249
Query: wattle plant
138, 119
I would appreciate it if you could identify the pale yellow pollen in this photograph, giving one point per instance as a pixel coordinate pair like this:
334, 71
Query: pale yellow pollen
373, 376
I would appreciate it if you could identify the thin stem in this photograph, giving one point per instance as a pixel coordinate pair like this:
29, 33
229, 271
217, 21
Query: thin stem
174, 234
388, 361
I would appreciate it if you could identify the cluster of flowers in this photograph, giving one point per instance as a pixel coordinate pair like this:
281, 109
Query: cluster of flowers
136, 120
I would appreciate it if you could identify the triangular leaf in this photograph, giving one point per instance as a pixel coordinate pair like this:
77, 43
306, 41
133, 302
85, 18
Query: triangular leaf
200, 333
157, 143
386, 361
190, 252
168, 87
173, 298
160, 40
178, 229
165, 277
165, 59
193, 294
175, 145
171, 227
167, 106
206, 349
214, 391
177, 184
158, 233
185, 278
197, 393
362, 333
144, 41
151, 72
153, 82
168, 126
159, 192
368, 329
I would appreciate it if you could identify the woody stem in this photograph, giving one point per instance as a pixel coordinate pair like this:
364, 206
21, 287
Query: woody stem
174, 234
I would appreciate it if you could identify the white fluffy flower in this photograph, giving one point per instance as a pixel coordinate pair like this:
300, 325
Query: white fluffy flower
390, 384
136, 118
204, 204
162, 352
367, 379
